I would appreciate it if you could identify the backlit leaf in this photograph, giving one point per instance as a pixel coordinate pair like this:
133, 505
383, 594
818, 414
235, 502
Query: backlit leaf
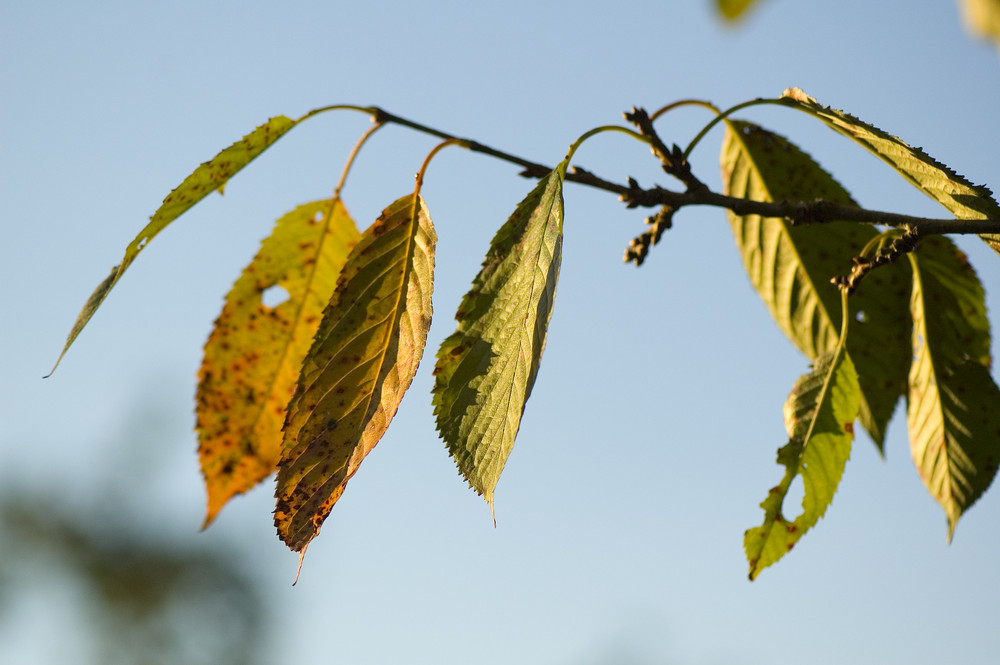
205, 179
954, 404
791, 267
819, 417
486, 369
963, 199
254, 354
362, 360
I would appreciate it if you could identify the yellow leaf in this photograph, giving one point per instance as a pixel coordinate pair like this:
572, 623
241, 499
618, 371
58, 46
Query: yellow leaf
254, 354
362, 360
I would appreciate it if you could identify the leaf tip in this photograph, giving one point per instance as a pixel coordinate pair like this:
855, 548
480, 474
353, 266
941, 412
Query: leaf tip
298, 571
209, 518
798, 95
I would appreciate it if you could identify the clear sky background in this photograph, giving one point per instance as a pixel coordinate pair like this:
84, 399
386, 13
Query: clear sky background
649, 439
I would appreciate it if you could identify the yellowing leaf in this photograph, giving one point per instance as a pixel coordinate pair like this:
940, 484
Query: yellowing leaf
790, 266
819, 417
486, 369
954, 404
734, 9
207, 178
254, 354
959, 196
362, 360
982, 18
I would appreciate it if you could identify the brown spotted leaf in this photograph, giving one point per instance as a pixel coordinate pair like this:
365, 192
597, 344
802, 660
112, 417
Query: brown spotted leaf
207, 178
254, 354
819, 417
362, 360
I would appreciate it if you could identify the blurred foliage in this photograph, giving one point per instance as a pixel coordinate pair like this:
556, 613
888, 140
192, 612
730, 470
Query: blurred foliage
142, 600
982, 18
734, 10
84, 581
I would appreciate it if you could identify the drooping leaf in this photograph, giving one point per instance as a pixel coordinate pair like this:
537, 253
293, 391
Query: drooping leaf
207, 178
819, 417
790, 266
362, 360
954, 404
254, 354
959, 196
486, 369
734, 9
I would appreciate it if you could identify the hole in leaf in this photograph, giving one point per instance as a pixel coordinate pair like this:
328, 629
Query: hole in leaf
273, 296
793, 500
861, 317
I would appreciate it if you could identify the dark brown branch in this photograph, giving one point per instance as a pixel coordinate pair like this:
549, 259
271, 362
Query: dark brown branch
797, 212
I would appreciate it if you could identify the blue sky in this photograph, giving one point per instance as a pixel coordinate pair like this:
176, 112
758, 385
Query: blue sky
649, 439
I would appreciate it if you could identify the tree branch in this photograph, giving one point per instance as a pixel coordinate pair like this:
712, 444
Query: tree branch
797, 212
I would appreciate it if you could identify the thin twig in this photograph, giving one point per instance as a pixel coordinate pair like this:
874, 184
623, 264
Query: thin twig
797, 212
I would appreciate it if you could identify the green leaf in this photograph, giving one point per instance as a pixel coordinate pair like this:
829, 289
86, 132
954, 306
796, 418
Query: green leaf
819, 417
959, 196
362, 360
255, 352
791, 267
205, 179
954, 404
734, 9
486, 369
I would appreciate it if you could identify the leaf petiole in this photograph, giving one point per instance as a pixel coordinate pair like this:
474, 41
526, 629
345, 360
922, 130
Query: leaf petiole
593, 132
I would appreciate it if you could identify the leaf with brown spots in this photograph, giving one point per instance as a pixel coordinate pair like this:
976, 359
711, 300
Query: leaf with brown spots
207, 178
362, 360
953, 404
791, 266
956, 193
819, 417
486, 369
254, 354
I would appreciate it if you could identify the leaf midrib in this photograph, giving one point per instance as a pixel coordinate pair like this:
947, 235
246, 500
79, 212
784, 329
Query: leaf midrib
787, 235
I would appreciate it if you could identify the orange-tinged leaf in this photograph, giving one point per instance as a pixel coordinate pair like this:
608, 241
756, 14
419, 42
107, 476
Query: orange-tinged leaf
362, 360
254, 354
208, 177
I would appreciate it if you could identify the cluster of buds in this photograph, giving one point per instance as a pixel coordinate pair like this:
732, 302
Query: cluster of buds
638, 247
863, 265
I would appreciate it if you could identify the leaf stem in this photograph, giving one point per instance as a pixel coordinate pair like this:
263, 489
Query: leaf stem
683, 102
760, 101
354, 153
427, 160
337, 107
599, 130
